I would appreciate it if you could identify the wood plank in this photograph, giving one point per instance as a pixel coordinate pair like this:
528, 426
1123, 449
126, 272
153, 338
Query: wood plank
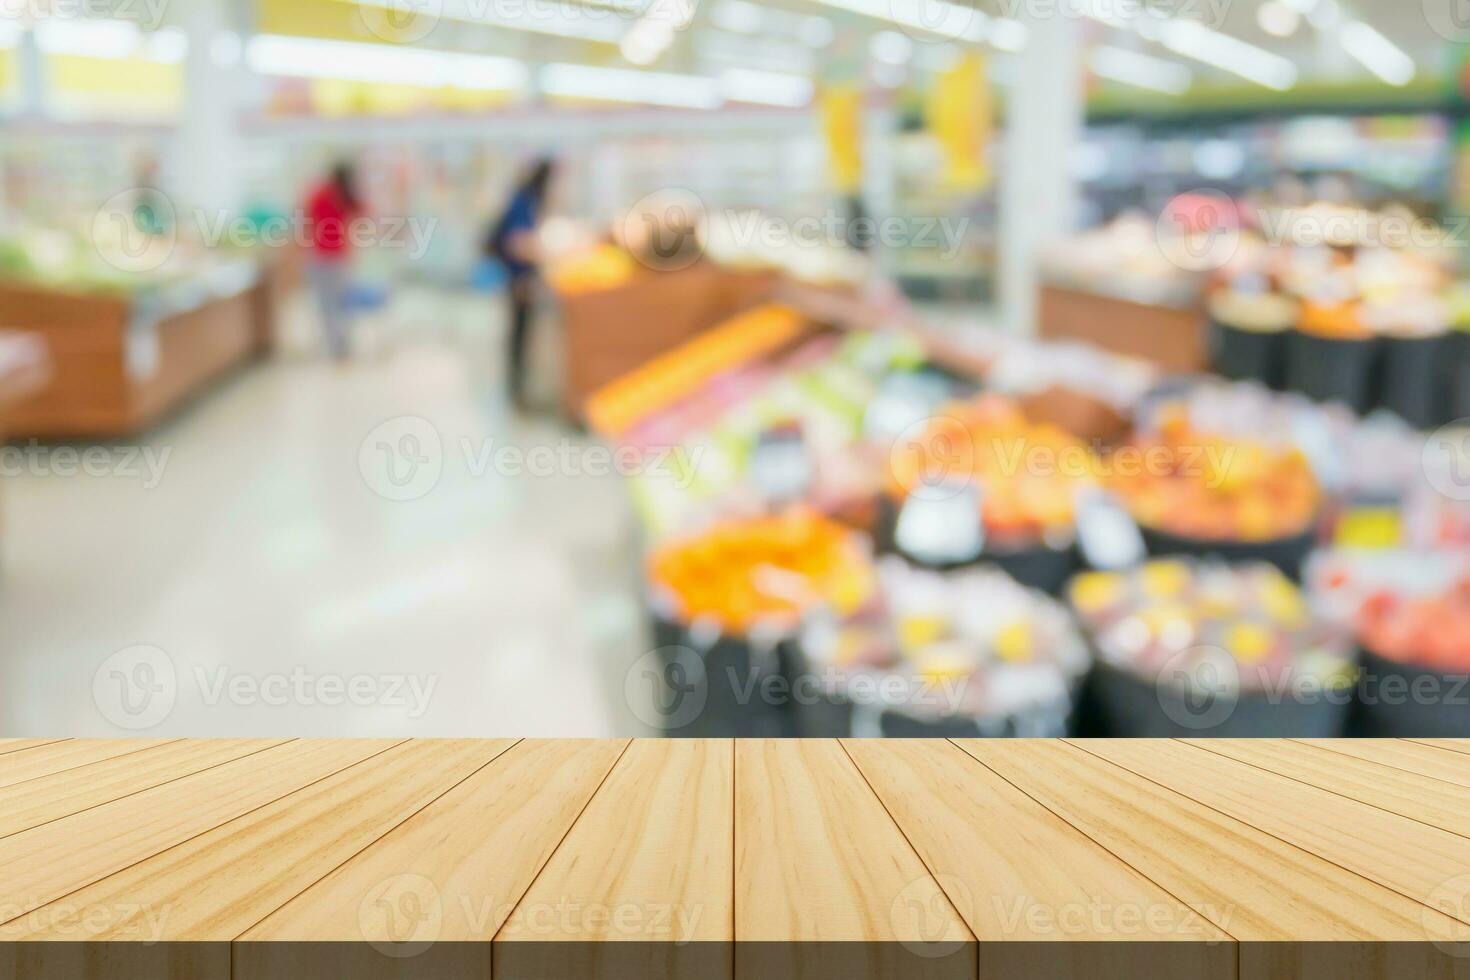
467, 858
820, 865
30, 804
1042, 898
58, 858
1268, 894
1429, 801
1449, 744
1424, 760
60, 756
660, 891
217, 885
1414, 859
23, 744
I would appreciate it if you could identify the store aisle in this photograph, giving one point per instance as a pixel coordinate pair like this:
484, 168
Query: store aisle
245, 572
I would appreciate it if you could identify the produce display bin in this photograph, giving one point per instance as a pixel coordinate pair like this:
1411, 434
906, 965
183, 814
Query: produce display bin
728, 684
1410, 384
1458, 383
1250, 355
1288, 554
1125, 705
123, 363
607, 333
1174, 337
1399, 700
1329, 370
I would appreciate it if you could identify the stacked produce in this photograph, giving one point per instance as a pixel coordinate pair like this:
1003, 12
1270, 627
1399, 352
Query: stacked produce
1030, 475
763, 571
1345, 305
1410, 612
820, 394
1201, 487
968, 648
1411, 607
1172, 630
1432, 631
599, 267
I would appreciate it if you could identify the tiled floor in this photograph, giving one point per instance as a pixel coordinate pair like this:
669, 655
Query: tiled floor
274, 587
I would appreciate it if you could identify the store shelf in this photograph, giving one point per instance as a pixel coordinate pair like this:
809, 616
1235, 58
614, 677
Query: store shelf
745, 858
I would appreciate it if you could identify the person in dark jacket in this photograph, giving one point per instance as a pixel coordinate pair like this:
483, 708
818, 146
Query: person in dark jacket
512, 241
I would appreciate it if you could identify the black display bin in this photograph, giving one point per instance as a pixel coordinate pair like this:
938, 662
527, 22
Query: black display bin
832, 717
1412, 379
1398, 700
1124, 705
1329, 370
733, 677
1458, 383
1250, 355
1288, 554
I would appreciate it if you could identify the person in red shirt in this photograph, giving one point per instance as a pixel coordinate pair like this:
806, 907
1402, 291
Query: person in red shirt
330, 211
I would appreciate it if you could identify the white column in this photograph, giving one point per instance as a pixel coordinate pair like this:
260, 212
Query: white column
30, 65
1038, 193
210, 150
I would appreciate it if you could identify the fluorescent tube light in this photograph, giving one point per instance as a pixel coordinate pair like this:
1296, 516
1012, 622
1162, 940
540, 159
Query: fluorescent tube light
307, 57
584, 22
628, 85
766, 87
1194, 40
1008, 34
1376, 53
1140, 70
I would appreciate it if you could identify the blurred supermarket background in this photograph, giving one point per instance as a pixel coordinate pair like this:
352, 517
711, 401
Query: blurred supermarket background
792, 367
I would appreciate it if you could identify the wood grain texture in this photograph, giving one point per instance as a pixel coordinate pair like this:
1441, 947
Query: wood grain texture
1416, 797
657, 901
806, 827
1425, 760
26, 805
1043, 898
1416, 860
58, 858
819, 860
718, 860
215, 886
1028, 859
472, 852
9, 745
58, 757
1449, 744
663, 829
1270, 895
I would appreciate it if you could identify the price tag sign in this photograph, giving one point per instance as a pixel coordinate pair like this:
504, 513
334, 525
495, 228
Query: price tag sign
780, 466
1107, 534
942, 526
903, 401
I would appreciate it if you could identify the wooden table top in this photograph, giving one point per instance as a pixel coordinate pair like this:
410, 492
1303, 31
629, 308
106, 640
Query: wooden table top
720, 858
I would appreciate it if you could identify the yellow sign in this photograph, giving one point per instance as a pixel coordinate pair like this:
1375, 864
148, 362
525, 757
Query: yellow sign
961, 114
842, 115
